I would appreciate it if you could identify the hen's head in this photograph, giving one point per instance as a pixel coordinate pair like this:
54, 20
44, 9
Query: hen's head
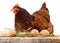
44, 6
15, 9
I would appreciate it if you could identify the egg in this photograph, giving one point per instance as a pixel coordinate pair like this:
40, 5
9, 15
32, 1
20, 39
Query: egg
34, 31
44, 32
10, 33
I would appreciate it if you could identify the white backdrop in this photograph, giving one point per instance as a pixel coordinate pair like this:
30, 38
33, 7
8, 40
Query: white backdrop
7, 17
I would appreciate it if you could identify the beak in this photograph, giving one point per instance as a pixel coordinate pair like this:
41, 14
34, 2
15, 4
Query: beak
11, 10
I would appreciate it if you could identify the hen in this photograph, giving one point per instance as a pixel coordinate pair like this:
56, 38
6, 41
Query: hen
22, 18
42, 19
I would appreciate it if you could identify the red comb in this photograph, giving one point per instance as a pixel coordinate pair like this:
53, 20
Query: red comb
16, 5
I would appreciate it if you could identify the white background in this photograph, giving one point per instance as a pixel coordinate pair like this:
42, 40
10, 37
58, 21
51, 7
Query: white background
7, 17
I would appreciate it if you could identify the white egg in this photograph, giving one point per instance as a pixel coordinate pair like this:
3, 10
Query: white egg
34, 31
44, 32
